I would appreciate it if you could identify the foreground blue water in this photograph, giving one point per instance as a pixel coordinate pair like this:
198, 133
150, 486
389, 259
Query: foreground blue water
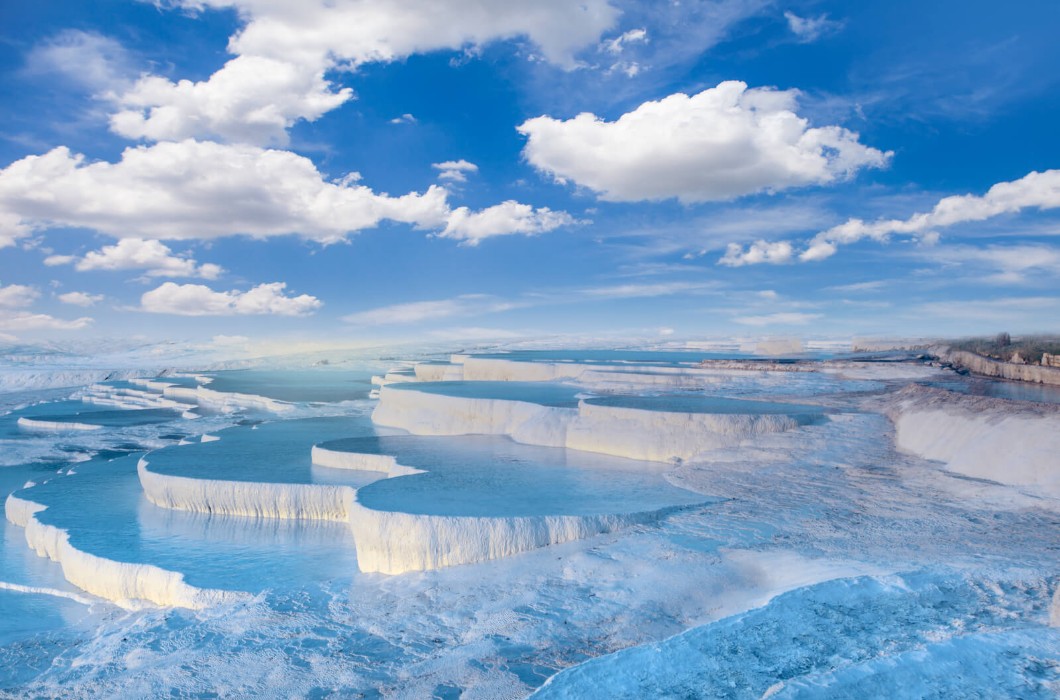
816, 562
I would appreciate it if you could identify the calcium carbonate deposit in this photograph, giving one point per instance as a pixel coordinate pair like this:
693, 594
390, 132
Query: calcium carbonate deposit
569, 524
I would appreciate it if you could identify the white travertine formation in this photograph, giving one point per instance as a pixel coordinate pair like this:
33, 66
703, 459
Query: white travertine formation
423, 413
981, 437
427, 372
396, 543
246, 498
54, 426
622, 432
336, 459
664, 436
120, 582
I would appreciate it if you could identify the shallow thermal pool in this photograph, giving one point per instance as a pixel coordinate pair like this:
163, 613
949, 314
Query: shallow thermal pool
271, 452
111, 418
543, 393
706, 403
487, 475
311, 385
232, 553
1000, 389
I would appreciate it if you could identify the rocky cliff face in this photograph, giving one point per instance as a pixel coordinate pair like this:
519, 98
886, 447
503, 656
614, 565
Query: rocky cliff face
977, 364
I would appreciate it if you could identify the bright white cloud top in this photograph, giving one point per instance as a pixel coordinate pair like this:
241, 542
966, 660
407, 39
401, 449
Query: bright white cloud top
153, 257
1036, 190
471, 227
283, 53
200, 300
722, 143
17, 296
201, 190
80, 298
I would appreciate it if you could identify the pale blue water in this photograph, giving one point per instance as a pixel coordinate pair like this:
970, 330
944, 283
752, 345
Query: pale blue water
969, 621
706, 403
313, 385
668, 358
110, 418
543, 393
1000, 389
232, 553
485, 475
274, 452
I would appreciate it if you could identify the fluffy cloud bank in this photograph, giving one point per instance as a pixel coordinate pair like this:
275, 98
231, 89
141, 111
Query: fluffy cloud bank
154, 257
758, 252
1036, 190
80, 298
505, 218
722, 143
202, 190
200, 300
285, 50
20, 296
16, 296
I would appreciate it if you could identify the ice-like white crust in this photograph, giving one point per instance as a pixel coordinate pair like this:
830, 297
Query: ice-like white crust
387, 542
123, 583
225, 401
423, 413
102, 395
1004, 441
246, 498
51, 426
664, 436
396, 543
336, 459
439, 372
622, 432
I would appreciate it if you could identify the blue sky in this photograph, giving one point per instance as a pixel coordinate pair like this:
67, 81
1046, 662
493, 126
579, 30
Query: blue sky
381, 170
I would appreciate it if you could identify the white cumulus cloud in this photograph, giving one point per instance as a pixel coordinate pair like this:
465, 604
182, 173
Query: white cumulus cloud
17, 296
506, 218
758, 252
80, 298
285, 50
200, 300
154, 257
202, 190
198, 190
24, 321
253, 99
1036, 190
455, 170
722, 143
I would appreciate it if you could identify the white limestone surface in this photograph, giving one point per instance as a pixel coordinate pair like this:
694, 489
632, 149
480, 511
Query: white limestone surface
622, 432
429, 372
54, 426
1004, 441
396, 543
123, 583
245, 498
336, 459
665, 436
423, 413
